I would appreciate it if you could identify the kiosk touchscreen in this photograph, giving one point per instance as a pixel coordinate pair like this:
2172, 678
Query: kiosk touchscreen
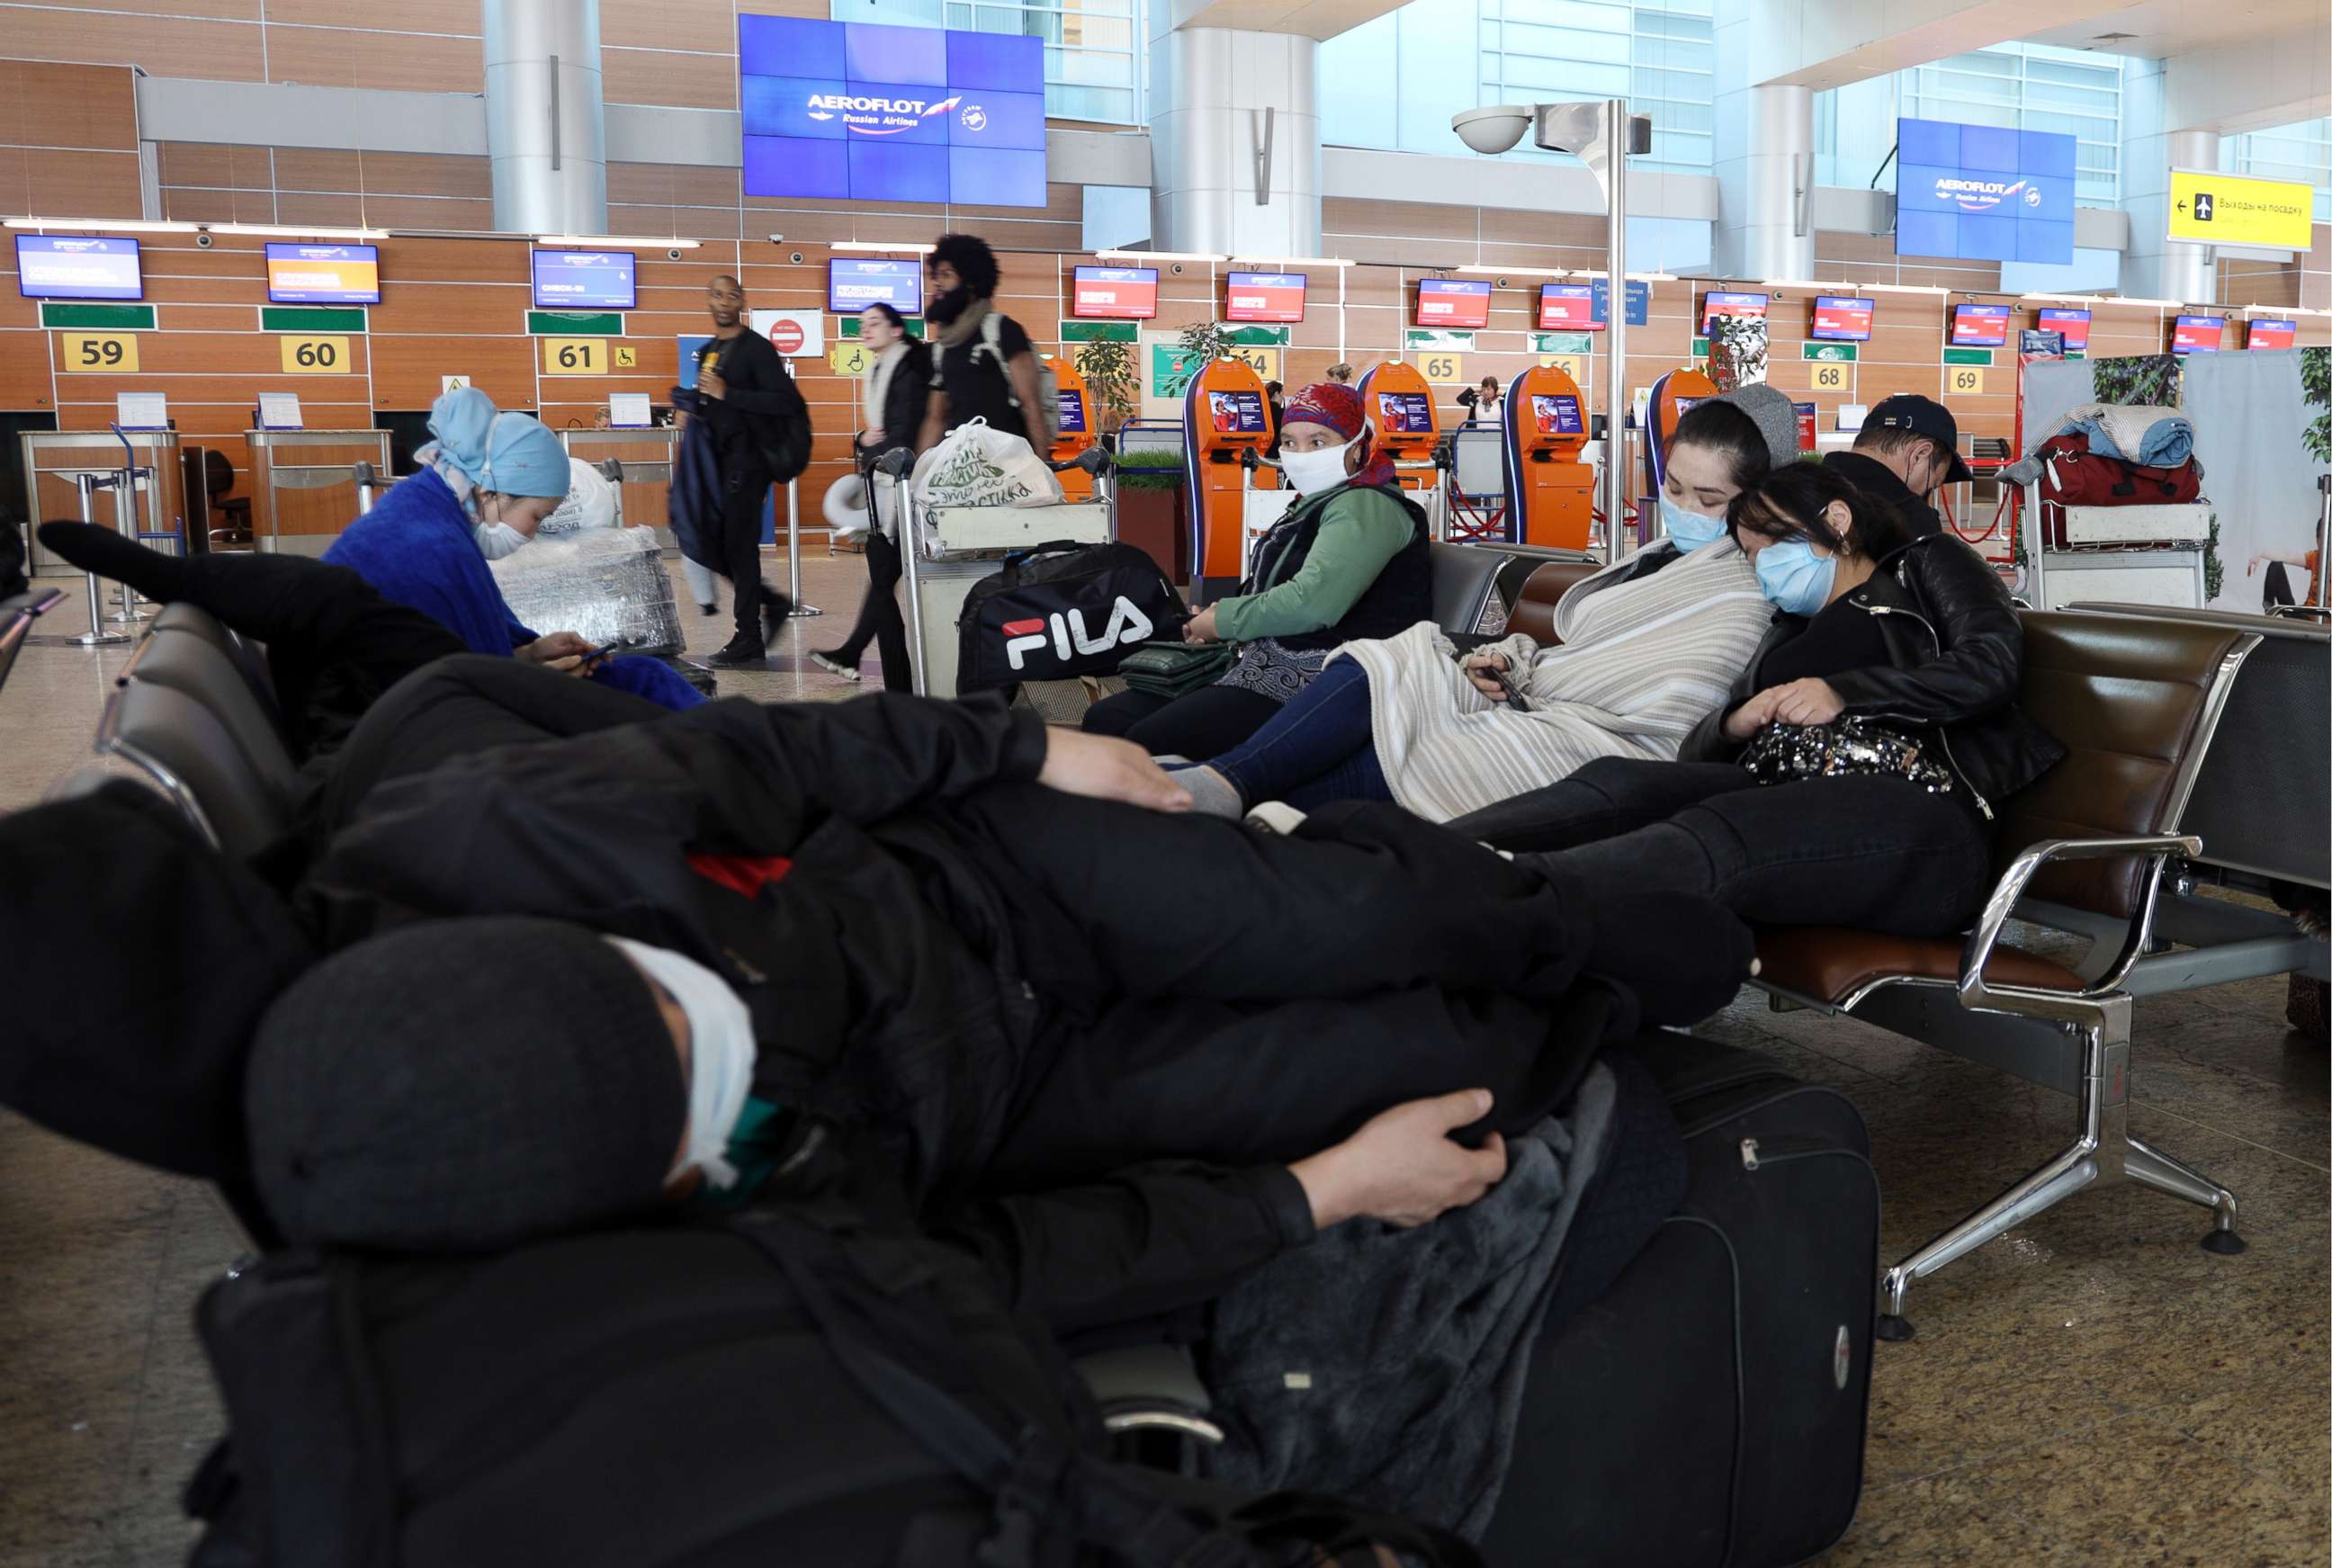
1224, 417
1399, 402
1553, 491
1078, 427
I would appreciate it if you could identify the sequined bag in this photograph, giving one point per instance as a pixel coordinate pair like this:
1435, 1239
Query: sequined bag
1785, 753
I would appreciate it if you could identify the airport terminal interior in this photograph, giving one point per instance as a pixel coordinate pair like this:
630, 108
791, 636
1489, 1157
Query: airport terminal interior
1221, 782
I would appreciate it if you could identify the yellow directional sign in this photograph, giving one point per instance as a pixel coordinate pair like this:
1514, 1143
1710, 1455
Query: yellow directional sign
1440, 366
1833, 378
85, 351
1263, 361
1963, 379
850, 357
2228, 209
574, 355
315, 355
628, 356
1572, 365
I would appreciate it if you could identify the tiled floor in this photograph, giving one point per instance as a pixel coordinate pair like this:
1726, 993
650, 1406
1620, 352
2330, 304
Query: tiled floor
2092, 1389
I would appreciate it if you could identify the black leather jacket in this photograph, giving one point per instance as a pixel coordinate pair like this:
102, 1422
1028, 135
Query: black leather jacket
1956, 657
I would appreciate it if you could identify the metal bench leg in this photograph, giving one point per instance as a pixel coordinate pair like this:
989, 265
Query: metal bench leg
2164, 1174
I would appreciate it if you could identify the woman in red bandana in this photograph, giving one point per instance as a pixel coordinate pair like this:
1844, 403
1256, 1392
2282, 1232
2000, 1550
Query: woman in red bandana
1349, 561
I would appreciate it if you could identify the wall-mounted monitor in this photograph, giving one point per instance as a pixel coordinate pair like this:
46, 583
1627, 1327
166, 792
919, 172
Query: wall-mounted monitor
2074, 323
1115, 293
1264, 297
852, 285
1557, 413
1567, 307
586, 281
856, 111
1724, 302
2262, 334
1237, 413
1461, 304
1984, 193
2196, 334
1979, 326
323, 274
1406, 413
1842, 318
71, 267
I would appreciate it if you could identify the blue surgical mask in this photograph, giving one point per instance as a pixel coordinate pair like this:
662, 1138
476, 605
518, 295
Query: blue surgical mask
1689, 530
1794, 577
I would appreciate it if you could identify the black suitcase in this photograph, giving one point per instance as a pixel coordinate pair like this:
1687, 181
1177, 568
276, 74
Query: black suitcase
1054, 612
1708, 1410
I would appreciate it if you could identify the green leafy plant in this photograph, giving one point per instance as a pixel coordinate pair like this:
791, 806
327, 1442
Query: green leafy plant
2316, 387
1107, 366
2146, 381
2214, 571
1203, 343
1150, 470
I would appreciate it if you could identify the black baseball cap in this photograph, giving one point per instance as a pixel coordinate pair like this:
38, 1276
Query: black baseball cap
1921, 416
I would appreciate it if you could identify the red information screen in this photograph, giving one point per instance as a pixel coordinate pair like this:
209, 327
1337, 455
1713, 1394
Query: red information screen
2074, 324
1264, 297
1842, 319
1567, 307
2261, 334
1725, 302
1980, 326
2195, 335
1459, 303
1116, 293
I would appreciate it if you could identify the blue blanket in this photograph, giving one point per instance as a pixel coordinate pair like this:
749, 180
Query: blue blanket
416, 548
2165, 440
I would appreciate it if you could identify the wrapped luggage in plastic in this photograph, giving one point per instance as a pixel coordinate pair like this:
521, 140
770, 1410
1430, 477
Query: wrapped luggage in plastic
605, 584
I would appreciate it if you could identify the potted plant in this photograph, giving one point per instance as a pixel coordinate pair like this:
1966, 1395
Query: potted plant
1150, 486
1107, 366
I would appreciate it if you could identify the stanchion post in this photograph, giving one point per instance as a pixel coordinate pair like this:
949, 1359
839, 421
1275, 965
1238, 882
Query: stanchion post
97, 636
793, 552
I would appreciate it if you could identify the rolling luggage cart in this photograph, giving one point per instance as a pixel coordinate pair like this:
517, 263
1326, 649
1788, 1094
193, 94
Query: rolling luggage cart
946, 549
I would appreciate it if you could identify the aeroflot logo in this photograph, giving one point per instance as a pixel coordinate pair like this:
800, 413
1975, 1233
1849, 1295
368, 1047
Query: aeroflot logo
878, 116
1127, 624
1981, 195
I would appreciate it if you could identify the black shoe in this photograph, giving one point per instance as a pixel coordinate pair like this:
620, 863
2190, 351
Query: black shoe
709, 607
775, 610
740, 654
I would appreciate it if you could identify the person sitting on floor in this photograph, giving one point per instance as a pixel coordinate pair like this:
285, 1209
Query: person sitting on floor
1648, 647
485, 484
1351, 559
1850, 778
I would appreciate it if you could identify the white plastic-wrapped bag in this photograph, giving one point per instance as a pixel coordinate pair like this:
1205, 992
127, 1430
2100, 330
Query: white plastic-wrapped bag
590, 502
979, 466
604, 584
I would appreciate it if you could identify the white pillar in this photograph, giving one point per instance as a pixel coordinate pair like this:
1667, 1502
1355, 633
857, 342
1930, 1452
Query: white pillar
545, 125
1230, 111
1764, 170
2154, 267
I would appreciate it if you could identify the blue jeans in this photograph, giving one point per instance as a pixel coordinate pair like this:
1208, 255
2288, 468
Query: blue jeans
1320, 747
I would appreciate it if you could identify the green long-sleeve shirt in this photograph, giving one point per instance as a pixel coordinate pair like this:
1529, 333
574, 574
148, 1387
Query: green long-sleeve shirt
1360, 530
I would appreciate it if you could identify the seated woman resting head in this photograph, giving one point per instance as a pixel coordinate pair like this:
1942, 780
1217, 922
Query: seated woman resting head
1851, 778
1351, 559
1645, 648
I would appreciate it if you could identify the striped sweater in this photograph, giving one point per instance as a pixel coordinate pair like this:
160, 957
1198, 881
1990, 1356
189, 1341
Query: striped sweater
1638, 666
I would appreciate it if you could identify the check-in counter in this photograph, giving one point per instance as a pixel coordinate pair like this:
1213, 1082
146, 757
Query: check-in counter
51, 459
303, 484
646, 456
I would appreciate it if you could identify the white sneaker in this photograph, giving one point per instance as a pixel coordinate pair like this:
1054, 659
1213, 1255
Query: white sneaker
834, 666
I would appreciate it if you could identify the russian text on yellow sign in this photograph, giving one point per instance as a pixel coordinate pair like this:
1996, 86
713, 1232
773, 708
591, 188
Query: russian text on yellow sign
87, 351
2232, 210
574, 355
315, 355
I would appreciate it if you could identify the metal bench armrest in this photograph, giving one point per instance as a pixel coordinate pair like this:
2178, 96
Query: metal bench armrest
1974, 992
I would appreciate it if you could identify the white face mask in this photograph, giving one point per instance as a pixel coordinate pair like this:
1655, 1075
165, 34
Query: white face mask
498, 540
720, 1053
1314, 471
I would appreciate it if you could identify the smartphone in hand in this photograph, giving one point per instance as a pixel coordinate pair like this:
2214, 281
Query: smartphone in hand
1514, 698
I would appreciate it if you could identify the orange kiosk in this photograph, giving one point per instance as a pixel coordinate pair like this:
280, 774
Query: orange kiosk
1550, 490
1399, 403
1225, 416
1077, 433
1671, 399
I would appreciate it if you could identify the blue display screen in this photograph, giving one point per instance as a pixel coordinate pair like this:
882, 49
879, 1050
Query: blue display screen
852, 111
70, 267
852, 285
1984, 193
586, 280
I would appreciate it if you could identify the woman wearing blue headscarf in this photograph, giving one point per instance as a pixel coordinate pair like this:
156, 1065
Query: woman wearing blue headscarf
484, 486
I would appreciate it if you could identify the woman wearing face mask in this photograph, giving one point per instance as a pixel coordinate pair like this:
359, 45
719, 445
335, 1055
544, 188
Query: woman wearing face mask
1351, 559
484, 486
1648, 647
1853, 775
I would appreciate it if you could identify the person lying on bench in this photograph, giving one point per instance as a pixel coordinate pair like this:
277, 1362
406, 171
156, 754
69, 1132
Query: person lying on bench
1648, 647
940, 928
1851, 777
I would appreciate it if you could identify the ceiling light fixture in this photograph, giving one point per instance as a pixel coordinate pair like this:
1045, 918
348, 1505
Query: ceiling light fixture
132, 226
1143, 258
901, 249
621, 241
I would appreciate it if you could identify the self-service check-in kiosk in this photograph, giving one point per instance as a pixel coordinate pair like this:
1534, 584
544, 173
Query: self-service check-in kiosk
1399, 402
1551, 490
1224, 417
1672, 398
1078, 427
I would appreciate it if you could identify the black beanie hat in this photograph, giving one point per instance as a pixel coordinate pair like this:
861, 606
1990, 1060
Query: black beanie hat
463, 1086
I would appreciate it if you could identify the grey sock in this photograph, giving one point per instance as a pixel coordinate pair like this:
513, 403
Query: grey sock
1211, 794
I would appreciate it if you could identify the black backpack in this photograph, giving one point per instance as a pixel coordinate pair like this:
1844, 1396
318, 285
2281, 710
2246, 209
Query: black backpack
795, 1386
1060, 610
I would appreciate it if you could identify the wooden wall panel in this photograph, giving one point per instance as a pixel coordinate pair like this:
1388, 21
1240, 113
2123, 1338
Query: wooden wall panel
399, 61
93, 107
174, 46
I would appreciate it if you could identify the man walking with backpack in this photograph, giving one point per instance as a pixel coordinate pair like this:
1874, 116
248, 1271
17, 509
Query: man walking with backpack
984, 367
761, 430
